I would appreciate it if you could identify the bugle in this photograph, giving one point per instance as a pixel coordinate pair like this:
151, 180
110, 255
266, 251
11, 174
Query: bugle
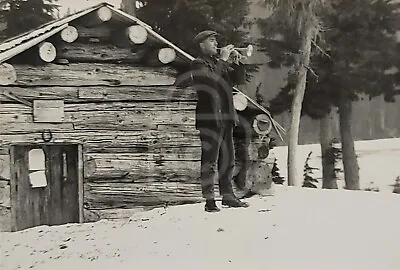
248, 51
276, 126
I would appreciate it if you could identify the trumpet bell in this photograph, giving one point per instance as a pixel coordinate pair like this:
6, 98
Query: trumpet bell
248, 51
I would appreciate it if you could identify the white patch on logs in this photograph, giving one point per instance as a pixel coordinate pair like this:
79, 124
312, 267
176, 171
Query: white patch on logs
104, 14
137, 34
166, 55
69, 34
8, 75
47, 51
239, 102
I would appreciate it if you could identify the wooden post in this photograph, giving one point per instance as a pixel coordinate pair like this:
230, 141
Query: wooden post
47, 52
80, 183
13, 190
69, 34
8, 75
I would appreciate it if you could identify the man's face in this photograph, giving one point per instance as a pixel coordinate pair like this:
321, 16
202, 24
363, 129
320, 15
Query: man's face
209, 46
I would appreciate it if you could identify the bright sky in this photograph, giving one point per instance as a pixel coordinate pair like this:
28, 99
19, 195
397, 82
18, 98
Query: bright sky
76, 5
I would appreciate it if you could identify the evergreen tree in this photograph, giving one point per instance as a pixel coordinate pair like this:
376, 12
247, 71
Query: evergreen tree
276, 176
301, 18
180, 20
396, 186
372, 187
350, 57
309, 180
24, 15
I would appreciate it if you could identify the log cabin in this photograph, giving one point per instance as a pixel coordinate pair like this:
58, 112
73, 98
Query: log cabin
92, 123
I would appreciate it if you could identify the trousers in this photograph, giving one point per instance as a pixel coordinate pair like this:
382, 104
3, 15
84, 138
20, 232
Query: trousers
217, 160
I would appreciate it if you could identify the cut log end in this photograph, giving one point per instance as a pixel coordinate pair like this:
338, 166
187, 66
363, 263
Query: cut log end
137, 34
47, 52
8, 75
69, 34
104, 14
95, 18
166, 55
239, 102
262, 124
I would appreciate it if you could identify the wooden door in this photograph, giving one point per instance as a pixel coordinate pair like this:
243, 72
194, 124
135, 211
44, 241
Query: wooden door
57, 200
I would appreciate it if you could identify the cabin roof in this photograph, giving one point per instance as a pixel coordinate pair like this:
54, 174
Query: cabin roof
18, 44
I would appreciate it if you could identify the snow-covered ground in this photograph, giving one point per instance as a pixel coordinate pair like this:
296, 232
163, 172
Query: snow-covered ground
296, 228
378, 160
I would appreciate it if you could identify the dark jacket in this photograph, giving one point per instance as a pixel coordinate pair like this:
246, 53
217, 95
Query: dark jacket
213, 80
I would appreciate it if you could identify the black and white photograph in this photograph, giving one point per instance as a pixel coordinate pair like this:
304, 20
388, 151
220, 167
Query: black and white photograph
200, 134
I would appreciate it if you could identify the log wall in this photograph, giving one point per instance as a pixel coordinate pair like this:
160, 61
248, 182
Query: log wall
140, 146
129, 143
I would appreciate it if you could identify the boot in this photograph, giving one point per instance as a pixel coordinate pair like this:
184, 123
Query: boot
232, 201
211, 206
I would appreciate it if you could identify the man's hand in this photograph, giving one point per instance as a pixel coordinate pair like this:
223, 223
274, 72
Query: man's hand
226, 52
235, 57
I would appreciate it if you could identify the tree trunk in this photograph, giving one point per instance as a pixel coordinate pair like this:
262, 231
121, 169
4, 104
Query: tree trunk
304, 60
350, 163
328, 163
128, 6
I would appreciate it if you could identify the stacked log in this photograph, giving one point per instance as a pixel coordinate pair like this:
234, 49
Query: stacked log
88, 74
47, 52
131, 44
69, 34
148, 148
8, 75
253, 173
100, 16
132, 35
140, 145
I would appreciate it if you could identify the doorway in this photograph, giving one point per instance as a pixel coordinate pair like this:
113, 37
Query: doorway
46, 185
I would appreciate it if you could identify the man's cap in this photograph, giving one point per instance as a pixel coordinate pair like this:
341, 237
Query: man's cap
203, 35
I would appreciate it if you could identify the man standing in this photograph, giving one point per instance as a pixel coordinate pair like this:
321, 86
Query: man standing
214, 75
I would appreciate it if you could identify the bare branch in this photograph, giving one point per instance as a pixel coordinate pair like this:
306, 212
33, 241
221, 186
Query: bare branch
320, 49
312, 71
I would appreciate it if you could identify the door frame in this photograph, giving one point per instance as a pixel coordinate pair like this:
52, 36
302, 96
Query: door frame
13, 178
